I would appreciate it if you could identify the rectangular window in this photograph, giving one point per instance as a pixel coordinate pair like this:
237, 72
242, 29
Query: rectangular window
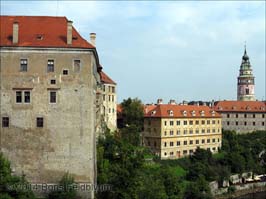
208, 130
27, 96
39, 121
191, 122
185, 122
113, 98
165, 123
203, 122
197, 141
203, 131
203, 141
197, 131
254, 123
191, 142
213, 121
65, 72
236, 123
171, 123
171, 143
185, 132
50, 65
18, 96
197, 122
165, 144
23, 65
76, 65
185, 142
213, 130
177, 123
245, 123
190, 151
263, 115
184, 152
208, 140
103, 97
254, 115
208, 122
52, 96
262, 123
5, 122
228, 115
236, 115
178, 143
171, 132
53, 81
113, 89
245, 115
228, 123
178, 132
191, 131
213, 140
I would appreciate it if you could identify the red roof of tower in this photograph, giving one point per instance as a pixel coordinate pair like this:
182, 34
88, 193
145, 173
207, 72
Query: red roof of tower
106, 79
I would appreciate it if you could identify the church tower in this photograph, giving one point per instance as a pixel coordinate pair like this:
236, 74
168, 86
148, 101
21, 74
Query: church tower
245, 80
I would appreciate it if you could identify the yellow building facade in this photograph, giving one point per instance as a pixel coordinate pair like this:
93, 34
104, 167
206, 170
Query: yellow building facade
174, 131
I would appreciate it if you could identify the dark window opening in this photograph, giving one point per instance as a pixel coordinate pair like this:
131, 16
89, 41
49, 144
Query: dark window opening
5, 121
39, 122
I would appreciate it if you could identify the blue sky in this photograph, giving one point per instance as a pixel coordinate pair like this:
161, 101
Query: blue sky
171, 50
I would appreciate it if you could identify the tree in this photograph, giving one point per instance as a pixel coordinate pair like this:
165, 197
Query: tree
132, 113
11, 186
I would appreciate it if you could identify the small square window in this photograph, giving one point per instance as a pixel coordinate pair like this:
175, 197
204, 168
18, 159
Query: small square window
76, 65
18, 96
65, 72
5, 122
50, 65
23, 65
52, 97
39, 121
53, 81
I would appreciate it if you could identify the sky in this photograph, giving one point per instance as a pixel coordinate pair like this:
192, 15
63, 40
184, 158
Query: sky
171, 50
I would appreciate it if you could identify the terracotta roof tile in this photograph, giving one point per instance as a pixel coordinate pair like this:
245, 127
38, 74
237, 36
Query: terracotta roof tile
240, 106
106, 79
52, 32
180, 111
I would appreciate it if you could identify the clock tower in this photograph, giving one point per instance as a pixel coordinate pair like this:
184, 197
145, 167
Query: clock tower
245, 80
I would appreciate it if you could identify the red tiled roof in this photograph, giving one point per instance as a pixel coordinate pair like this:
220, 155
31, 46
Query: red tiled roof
52, 29
106, 79
180, 111
240, 106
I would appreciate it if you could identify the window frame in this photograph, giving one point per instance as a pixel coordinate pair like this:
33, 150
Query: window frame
50, 96
5, 123
39, 122
21, 69
49, 65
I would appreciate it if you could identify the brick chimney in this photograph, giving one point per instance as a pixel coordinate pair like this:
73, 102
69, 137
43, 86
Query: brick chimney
93, 38
69, 32
15, 32
159, 101
172, 101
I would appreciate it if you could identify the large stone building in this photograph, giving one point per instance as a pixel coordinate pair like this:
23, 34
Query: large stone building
245, 81
109, 101
49, 78
173, 131
242, 116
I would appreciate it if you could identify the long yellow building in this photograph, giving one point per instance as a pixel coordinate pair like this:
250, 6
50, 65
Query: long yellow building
172, 131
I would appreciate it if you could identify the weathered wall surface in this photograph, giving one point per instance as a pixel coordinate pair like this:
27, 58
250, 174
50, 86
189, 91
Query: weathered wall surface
66, 143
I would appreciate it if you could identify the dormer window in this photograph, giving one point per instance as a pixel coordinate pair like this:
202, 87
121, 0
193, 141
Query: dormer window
213, 113
262, 108
193, 113
220, 108
233, 107
202, 113
171, 113
184, 113
39, 37
247, 108
153, 112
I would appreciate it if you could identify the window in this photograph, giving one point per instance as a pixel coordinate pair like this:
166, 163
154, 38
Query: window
27, 96
185, 132
254, 123
245, 123
262, 123
197, 141
65, 72
236, 123
103, 88
165, 133
165, 144
53, 81
191, 122
236, 115
203, 141
109, 110
171, 132
165, 154
113, 89
190, 151
203, 122
149, 144
184, 152
155, 144
185, 142
76, 65
18, 96
103, 97
263, 115
191, 142
39, 121
213, 149
5, 122
228, 123
171, 123
191, 131
197, 131
213, 121
203, 131
213, 130
165, 123
178, 123
213, 140
171, 143
228, 115
178, 143
208, 130
208, 122
50, 65
254, 115
197, 122
218, 139
23, 65
185, 122
178, 132
52, 96
113, 98
208, 140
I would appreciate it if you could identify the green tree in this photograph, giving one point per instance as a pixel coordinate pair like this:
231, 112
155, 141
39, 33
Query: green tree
12, 187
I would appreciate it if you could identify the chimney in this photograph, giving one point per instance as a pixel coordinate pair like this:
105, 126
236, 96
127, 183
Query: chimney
93, 38
172, 102
159, 101
69, 32
15, 32
185, 102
